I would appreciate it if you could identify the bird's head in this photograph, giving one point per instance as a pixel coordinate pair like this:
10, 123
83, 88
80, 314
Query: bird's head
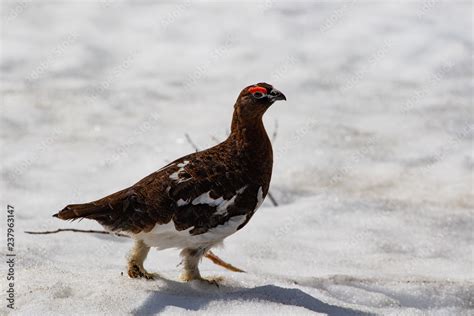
254, 100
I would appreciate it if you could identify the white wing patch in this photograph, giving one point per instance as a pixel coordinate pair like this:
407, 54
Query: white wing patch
182, 202
259, 198
222, 208
175, 175
205, 198
222, 205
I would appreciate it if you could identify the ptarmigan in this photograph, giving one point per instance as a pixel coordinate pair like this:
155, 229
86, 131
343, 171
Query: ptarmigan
197, 200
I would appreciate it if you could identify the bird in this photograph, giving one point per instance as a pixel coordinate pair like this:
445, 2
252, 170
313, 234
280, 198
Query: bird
195, 202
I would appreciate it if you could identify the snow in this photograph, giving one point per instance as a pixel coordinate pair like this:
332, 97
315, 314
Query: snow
373, 158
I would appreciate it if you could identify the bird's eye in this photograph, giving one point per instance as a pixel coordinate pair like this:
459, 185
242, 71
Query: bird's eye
258, 95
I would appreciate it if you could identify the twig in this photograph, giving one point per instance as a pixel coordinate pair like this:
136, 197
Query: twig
76, 231
209, 255
272, 199
190, 141
216, 260
215, 139
275, 131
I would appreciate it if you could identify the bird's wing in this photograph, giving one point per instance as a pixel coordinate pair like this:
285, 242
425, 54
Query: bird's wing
197, 191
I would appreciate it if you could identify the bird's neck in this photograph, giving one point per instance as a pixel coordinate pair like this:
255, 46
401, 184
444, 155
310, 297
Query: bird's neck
249, 133
251, 147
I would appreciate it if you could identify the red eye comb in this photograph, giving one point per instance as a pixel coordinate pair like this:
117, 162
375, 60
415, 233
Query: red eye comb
257, 89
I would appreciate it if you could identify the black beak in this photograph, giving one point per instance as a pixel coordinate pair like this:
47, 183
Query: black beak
276, 95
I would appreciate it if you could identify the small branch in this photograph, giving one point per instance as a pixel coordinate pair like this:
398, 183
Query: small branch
91, 231
190, 141
272, 199
275, 131
215, 139
216, 260
209, 255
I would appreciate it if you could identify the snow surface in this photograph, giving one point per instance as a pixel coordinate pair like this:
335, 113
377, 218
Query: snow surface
373, 157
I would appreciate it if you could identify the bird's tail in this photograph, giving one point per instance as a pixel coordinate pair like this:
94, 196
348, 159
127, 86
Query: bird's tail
115, 212
77, 211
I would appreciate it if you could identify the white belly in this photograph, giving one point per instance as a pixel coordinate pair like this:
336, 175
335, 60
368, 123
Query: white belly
166, 236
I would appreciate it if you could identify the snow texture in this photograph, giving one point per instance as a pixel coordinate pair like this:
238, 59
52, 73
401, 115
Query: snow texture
373, 158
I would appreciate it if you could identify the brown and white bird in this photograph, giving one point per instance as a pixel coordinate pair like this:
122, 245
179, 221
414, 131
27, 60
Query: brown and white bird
197, 200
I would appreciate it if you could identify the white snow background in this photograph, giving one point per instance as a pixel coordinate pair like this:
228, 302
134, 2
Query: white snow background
373, 155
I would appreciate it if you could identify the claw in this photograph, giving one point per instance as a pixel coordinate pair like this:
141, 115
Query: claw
214, 282
208, 281
135, 271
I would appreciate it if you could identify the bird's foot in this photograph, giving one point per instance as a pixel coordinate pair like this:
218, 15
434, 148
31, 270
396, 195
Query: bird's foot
214, 281
135, 271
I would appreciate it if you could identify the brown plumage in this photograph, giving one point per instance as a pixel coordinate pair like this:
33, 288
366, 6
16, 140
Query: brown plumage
202, 195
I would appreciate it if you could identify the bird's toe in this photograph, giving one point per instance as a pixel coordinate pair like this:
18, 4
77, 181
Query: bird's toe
135, 272
212, 281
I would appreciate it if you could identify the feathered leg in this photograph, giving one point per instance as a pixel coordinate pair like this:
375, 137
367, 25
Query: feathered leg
191, 259
135, 261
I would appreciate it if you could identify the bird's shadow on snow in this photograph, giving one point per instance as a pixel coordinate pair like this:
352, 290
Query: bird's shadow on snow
194, 300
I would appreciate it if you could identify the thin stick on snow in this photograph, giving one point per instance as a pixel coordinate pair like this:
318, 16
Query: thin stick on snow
275, 131
91, 231
190, 141
215, 139
272, 199
209, 255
